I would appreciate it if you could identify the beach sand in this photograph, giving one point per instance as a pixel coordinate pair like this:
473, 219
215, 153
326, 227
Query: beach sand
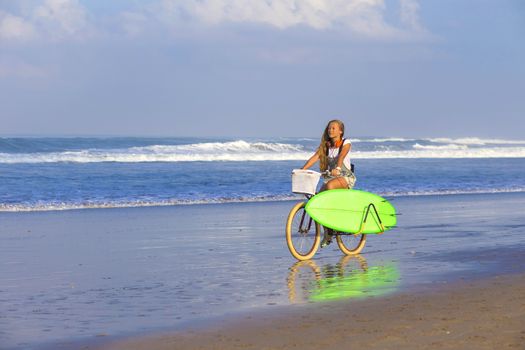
485, 314
220, 277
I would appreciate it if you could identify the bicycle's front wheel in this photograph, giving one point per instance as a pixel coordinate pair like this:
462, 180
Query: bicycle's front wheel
351, 244
303, 234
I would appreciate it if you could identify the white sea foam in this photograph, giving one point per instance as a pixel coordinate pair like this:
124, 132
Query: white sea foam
60, 206
440, 147
220, 147
451, 192
477, 141
213, 151
474, 141
379, 139
496, 152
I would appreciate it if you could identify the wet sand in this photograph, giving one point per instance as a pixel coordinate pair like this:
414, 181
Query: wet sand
485, 314
83, 278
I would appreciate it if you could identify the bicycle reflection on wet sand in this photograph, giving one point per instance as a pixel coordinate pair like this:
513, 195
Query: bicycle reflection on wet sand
351, 277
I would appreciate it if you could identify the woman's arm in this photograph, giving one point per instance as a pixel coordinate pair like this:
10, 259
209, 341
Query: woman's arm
312, 160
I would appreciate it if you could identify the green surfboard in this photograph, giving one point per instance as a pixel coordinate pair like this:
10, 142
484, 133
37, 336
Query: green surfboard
352, 211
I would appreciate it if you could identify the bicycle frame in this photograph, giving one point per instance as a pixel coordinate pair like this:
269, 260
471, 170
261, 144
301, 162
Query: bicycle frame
308, 196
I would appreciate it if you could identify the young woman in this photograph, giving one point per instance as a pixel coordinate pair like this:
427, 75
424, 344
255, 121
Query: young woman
333, 155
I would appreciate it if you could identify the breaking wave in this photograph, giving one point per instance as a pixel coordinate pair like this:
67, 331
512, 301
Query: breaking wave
448, 151
199, 152
241, 150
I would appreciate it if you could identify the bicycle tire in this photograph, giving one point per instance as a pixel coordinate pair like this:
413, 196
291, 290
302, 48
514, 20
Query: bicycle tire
351, 244
304, 230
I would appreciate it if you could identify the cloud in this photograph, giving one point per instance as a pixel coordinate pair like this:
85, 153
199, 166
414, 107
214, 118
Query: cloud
61, 18
69, 19
364, 18
52, 19
15, 28
410, 15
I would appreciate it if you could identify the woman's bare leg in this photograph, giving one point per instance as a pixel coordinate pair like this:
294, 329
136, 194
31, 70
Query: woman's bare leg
333, 184
338, 182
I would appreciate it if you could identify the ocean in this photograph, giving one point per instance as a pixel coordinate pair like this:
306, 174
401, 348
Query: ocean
41, 174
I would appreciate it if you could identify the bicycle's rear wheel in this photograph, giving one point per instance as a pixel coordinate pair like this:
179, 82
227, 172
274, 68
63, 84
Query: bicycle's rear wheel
303, 234
351, 244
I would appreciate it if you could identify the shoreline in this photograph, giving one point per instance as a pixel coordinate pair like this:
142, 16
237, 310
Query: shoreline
285, 198
483, 314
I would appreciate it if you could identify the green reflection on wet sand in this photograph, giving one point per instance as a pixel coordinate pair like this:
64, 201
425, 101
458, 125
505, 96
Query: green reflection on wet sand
351, 277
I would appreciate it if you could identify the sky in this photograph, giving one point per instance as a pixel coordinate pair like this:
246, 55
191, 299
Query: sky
262, 68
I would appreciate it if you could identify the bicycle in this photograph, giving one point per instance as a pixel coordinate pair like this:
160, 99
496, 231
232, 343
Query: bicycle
303, 234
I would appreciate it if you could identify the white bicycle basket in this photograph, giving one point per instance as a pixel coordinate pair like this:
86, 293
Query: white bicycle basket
305, 181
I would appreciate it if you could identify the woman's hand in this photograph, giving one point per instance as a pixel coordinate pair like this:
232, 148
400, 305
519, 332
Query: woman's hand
336, 171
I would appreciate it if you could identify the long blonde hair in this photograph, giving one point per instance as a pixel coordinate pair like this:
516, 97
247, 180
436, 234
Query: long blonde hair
326, 142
